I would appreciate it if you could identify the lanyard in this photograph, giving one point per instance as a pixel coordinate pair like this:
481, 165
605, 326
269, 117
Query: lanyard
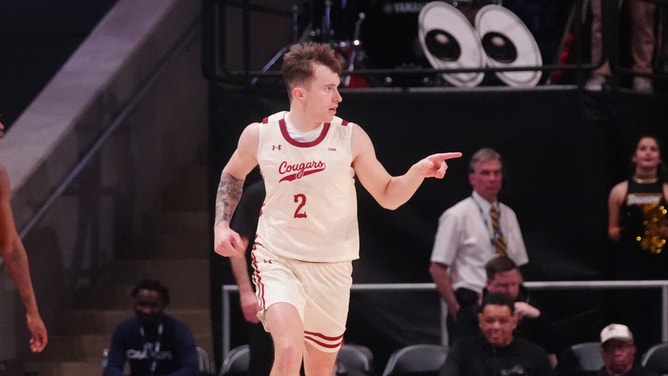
495, 232
152, 348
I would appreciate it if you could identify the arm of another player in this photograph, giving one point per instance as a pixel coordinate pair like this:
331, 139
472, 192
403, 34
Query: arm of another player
247, 298
16, 260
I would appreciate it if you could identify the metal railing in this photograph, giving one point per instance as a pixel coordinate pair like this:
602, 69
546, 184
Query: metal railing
217, 67
227, 290
570, 57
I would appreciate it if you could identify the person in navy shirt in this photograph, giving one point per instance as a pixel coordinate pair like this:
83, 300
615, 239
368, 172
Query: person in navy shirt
152, 342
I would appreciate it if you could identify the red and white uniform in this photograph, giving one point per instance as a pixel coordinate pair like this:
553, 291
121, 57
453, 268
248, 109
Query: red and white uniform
310, 211
307, 233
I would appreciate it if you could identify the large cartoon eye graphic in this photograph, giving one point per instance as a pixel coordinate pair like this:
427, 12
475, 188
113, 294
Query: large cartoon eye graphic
443, 45
499, 47
498, 38
508, 43
450, 42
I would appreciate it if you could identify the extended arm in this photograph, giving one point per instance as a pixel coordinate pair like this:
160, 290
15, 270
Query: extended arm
393, 191
16, 260
248, 300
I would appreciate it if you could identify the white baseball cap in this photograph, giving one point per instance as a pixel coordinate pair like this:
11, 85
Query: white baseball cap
616, 331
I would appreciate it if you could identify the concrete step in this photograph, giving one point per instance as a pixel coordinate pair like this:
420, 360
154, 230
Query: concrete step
64, 368
189, 222
171, 272
81, 322
173, 249
170, 246
117, 296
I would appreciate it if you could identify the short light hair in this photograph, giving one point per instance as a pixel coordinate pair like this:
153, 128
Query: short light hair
482, 155
300, 61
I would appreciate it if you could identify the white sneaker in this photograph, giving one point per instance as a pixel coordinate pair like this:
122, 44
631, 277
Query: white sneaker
595, 82
643, 85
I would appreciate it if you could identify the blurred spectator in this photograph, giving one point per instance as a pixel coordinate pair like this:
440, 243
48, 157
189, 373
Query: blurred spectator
497, 352
467, 238
152, 342
643, 39
638, 227
618, 352
504, 277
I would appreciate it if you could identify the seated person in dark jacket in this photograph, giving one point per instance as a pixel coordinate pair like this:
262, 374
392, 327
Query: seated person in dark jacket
618, 351
503, 276
152, 342
496, 352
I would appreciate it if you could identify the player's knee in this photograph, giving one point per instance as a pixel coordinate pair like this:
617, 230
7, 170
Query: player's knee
289, 352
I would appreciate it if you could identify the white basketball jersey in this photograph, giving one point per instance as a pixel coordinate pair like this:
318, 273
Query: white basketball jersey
310, 210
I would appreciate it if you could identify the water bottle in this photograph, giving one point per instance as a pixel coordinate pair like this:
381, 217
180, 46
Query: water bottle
105, 358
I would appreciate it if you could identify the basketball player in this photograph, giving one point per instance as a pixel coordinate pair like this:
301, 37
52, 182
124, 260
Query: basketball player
307, 233
16, 260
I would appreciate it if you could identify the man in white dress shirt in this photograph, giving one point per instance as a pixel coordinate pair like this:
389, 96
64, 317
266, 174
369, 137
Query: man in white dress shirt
467, 239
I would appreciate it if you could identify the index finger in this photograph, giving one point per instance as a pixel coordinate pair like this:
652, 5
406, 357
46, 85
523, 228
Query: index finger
450, 155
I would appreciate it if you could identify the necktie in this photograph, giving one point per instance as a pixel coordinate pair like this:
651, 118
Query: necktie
499, 241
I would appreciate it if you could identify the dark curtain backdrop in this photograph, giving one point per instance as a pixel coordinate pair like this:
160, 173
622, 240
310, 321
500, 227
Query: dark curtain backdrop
563, 150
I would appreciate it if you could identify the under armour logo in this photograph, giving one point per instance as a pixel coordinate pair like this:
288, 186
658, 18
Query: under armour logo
275, 147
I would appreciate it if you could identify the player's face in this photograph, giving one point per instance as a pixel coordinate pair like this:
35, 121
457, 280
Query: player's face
487, 178
322, 95
507, 283
647, 153
149, 305
497, 324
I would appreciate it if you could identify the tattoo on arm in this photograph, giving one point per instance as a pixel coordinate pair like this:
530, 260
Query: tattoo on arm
227, 197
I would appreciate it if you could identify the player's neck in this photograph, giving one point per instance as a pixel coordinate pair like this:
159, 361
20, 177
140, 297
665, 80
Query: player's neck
301, 122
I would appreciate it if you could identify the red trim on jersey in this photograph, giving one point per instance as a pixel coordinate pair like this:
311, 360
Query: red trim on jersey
329, 342
258, 279
284, 131
326, 338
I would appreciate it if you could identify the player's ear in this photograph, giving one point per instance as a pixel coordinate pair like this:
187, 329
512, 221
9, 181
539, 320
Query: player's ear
298, 93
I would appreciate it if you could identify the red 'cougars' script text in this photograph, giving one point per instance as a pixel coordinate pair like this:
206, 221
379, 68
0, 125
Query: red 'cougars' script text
293, 171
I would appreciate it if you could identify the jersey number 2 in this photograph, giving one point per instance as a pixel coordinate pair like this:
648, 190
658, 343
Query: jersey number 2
300, 199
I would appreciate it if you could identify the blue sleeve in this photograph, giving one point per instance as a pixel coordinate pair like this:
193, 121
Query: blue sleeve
187, 352
116, 359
